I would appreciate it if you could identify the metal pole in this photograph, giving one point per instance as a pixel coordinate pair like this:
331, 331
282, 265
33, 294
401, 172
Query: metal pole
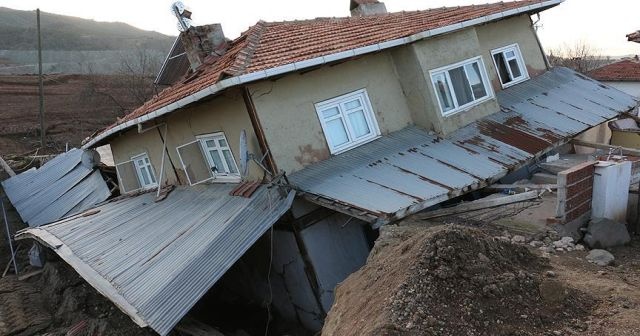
40, 83
164, 151
6, 224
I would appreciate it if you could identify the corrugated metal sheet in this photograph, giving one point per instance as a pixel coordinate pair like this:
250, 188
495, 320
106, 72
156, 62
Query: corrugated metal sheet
64, 186
156, 260
410, 170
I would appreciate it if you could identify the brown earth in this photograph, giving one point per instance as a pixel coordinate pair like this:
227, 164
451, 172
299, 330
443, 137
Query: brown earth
452, 280
75, 107
57, 303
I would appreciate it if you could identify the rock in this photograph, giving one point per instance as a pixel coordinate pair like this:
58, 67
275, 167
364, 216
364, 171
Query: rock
579, 247
563, 243
536, 243
605, 233
600, 257
546, 249
518, 239
550, 274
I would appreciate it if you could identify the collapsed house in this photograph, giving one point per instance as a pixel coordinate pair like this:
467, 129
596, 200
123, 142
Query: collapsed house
344, 124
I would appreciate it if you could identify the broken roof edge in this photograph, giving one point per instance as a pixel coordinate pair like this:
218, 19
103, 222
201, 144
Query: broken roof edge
313, 62
98, 282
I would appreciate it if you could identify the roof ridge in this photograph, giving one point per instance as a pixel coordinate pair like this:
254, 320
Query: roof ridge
244, 56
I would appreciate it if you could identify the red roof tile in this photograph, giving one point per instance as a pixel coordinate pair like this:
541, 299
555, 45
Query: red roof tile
626, 70
270, 44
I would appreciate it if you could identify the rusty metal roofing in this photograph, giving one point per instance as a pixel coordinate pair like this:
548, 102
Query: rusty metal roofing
155, 260
64, 186
407, 171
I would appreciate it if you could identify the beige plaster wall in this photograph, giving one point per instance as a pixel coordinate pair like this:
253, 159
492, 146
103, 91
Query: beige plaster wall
414, 62
503, 33
288, 116
225, 113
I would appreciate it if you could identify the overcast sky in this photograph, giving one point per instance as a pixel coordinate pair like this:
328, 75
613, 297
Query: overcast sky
601, 23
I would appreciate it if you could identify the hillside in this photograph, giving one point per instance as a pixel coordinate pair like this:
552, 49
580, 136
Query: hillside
60, 32
73, 45
75, 107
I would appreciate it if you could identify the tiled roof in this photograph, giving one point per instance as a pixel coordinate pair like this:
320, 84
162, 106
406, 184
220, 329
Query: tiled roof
623, 71
271, 44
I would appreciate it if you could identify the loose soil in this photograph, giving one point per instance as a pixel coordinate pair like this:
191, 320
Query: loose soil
453, 280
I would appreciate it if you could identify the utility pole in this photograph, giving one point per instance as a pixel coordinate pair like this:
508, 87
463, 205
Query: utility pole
40, 83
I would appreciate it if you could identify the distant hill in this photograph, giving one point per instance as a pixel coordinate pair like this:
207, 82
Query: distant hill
60, 32
71, 44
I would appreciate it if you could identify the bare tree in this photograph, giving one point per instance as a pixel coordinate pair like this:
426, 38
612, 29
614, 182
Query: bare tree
137, 71
581, 56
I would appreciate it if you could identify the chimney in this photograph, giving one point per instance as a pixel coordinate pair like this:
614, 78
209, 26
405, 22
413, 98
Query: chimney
201, 42
367, 7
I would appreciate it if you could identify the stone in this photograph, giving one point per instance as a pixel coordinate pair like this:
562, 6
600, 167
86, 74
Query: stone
605, 233
600, 257
536, 243
518, 239
579, 247
550, 274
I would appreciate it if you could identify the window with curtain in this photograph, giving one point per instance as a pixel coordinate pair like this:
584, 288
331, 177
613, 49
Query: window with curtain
510, 65
460, 85
347, 121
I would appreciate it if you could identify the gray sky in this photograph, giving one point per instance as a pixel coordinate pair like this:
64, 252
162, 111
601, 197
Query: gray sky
603, 24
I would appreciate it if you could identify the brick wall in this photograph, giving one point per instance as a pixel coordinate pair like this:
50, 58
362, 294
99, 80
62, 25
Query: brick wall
575, 192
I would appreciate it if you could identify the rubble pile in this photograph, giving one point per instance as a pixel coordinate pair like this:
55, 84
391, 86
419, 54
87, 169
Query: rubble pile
548, 243
453, 280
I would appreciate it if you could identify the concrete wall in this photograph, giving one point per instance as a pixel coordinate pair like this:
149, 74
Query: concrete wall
287, 112
632, 88
225, 113
414, 62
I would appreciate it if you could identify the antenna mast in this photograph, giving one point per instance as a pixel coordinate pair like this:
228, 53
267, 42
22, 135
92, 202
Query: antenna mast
40, 83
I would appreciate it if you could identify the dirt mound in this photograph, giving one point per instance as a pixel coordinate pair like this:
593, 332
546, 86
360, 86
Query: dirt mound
59, 303
452, 280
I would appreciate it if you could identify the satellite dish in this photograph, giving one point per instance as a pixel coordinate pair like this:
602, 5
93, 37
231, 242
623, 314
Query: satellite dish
182, 14
244, 154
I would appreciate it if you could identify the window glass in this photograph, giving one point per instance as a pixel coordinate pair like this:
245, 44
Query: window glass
347, 121
353, 104
460, 85
443, 93
229, 160
510, 65
218, 154
475, 79
336, 132
359, 123
144, 171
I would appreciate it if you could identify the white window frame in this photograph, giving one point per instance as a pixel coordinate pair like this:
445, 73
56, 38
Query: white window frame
221, 177
149, 169
518, 57
445, 71
338, 102
184, 166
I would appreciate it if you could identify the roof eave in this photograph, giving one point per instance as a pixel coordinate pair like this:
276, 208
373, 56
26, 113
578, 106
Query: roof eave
301, 65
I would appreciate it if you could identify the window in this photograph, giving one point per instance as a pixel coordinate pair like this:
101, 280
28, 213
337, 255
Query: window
207, 158
347, 121
461, 85
146, 177
136, 174
510, 65
218, 154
